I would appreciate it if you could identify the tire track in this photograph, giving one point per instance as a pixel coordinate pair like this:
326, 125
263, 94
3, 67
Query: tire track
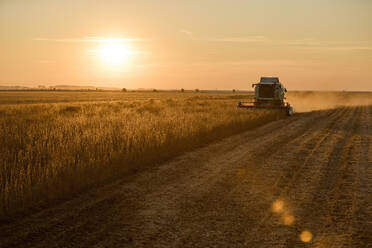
315, 211
224, 184
295, 169
362, 195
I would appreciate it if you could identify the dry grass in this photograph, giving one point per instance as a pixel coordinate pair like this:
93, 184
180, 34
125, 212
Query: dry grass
53, 150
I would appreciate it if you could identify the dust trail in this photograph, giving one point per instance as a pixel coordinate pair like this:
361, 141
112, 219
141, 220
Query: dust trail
308, 101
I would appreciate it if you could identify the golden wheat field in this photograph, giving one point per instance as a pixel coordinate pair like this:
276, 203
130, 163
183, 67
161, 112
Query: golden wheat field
54, 144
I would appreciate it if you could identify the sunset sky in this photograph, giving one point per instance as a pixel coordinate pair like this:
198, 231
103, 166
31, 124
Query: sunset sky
169, 44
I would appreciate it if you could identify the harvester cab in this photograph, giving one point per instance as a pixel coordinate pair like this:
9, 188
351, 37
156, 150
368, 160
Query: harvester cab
269, 93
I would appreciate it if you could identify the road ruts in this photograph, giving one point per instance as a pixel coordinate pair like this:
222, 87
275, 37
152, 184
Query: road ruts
261, 188
318, 212
361, 227
306, 149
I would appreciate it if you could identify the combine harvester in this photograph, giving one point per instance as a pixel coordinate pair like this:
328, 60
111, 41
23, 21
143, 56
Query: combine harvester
268, 94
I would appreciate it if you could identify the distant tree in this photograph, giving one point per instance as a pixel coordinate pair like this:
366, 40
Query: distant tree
233, 90
182, 90
154, 90
123, 90
196, 90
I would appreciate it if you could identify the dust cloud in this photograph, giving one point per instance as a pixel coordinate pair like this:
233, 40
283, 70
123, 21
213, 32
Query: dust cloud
309, 101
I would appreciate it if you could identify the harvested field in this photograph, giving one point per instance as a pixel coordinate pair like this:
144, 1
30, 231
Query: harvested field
303, 181
51, 150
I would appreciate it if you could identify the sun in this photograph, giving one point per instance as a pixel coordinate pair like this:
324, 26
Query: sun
114, 52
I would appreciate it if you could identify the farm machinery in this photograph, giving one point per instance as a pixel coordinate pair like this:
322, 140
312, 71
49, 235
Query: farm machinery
268, 94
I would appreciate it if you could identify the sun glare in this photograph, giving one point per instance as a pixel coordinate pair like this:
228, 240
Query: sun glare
114, 52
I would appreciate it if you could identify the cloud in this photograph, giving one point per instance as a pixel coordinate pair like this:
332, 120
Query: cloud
88, 39
184, 31
348, 48
46, 61
327, 45
304, 42
258, 62
245, 39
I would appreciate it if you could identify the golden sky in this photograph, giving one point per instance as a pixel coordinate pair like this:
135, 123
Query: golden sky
206, 44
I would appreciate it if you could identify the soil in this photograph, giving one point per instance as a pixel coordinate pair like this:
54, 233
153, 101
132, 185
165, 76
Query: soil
304, 181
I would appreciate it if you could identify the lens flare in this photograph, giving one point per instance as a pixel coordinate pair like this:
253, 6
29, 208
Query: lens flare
306, 236
287, 219
277, 206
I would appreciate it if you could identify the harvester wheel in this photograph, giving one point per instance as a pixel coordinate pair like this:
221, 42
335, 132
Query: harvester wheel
289, 110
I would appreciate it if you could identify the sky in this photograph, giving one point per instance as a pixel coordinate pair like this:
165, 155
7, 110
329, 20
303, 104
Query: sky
171, 44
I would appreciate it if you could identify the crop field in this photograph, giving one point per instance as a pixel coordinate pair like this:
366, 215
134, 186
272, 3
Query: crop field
167, 169
57, 143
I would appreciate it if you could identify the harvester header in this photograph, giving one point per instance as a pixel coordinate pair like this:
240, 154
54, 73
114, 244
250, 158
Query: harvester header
269, 93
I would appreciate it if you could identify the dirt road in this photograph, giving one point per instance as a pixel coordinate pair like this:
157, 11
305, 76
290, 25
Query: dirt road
305, 181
